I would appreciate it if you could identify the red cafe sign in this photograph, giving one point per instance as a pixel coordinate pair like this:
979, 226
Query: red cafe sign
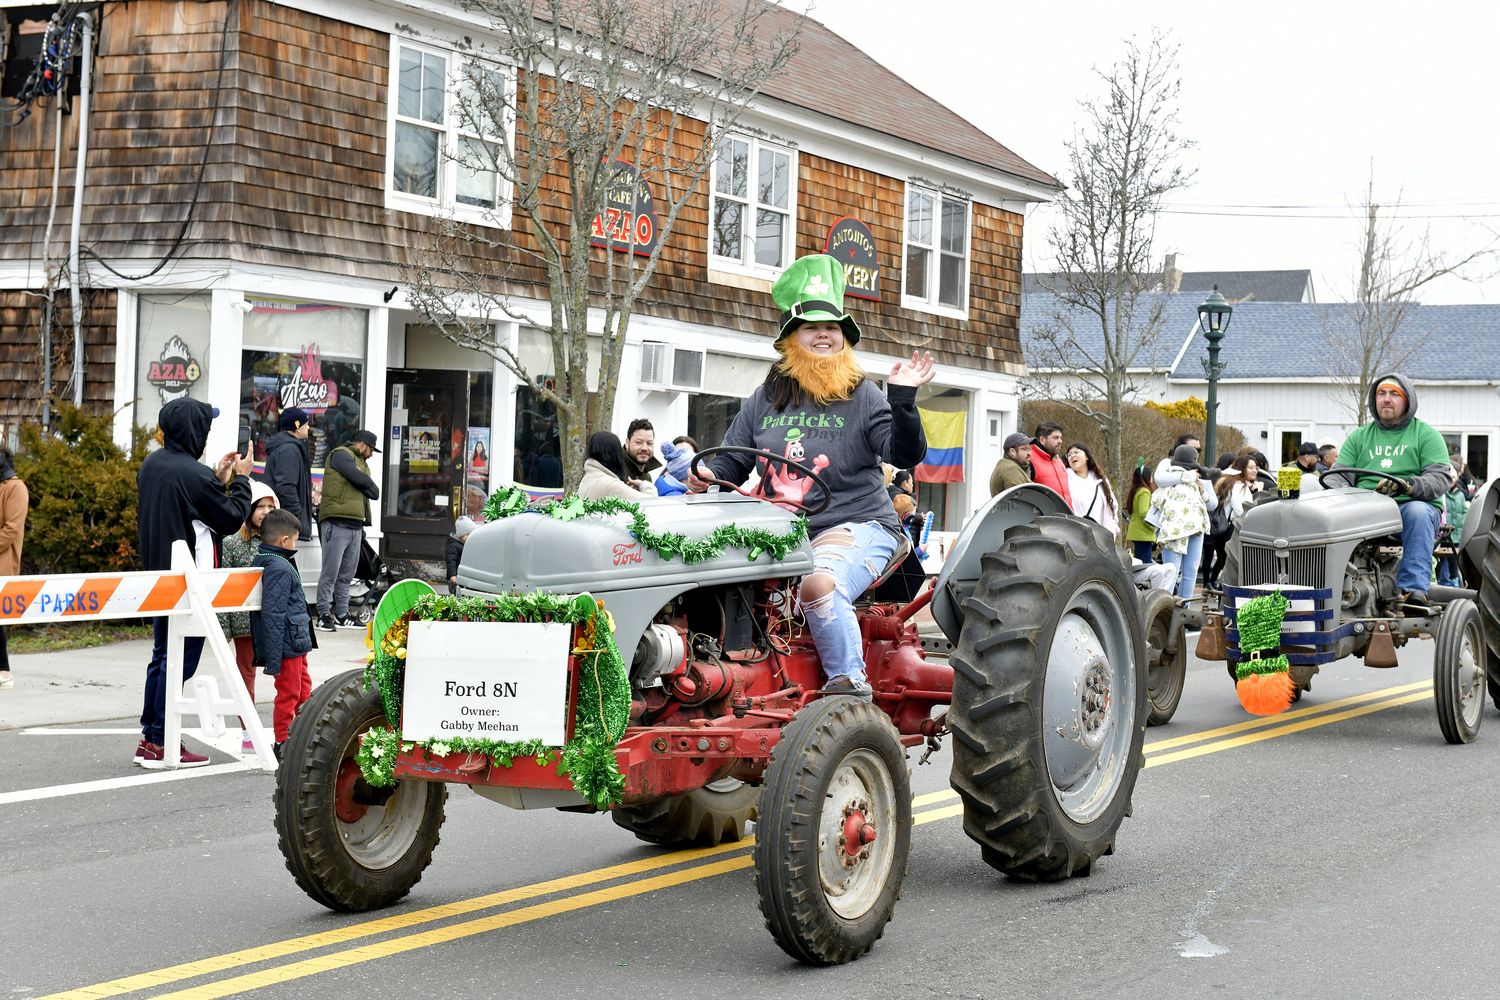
628, 221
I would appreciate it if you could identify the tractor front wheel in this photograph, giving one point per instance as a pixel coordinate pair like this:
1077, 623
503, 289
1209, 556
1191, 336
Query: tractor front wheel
350, 846
833, 833
1049, 700
1458, 674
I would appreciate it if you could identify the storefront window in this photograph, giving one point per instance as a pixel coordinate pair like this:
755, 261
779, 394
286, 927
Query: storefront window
538, 447
172, 337
307, 355
709, 418
477, 461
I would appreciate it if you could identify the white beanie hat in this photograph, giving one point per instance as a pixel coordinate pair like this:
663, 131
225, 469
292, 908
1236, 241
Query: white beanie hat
463, 526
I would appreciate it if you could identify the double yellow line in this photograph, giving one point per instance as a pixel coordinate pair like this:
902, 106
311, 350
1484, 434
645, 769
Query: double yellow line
1210, 741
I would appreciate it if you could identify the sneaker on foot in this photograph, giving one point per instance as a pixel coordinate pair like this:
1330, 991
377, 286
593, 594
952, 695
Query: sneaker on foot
246, 744
146, 750
6, 683
348, 621
847, 686
188, 758
326, 624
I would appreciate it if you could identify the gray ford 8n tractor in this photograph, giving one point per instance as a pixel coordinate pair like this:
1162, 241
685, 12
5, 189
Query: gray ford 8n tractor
1334, 552
1045, 698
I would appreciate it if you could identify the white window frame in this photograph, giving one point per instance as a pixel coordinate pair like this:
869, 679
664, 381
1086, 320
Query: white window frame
746, 264
446, 204
930, 303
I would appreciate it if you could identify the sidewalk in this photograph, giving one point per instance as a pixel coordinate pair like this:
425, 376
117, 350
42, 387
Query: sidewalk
107, 682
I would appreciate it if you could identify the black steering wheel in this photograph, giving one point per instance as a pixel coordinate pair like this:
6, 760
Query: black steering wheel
1356, 474
770, 456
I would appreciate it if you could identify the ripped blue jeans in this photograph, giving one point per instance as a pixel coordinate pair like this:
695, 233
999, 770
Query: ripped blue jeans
847, 558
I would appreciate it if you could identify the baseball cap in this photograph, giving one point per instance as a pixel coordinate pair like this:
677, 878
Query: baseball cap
292, 418
1015, 441
364, 437
1308, 448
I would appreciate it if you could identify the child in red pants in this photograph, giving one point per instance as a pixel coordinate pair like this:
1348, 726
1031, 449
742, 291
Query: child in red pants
281, 627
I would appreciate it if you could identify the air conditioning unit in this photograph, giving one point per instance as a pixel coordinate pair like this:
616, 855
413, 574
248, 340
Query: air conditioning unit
665, 368
687, 369
654, 373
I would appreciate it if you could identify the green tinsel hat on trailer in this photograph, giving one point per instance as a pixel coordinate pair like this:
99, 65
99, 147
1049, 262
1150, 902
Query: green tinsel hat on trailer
1264, 685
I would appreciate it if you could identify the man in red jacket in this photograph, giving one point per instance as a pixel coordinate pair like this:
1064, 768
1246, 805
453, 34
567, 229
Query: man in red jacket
1047, 465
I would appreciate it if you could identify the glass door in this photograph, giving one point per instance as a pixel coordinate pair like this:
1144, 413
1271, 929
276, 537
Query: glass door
424, 492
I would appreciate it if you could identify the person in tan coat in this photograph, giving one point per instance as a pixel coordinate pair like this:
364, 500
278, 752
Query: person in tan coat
14, 500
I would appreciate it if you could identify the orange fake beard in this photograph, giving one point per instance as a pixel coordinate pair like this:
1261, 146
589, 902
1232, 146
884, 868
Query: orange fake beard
826, 377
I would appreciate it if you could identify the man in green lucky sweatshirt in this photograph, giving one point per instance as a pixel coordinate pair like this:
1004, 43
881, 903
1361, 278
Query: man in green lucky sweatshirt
1399, 445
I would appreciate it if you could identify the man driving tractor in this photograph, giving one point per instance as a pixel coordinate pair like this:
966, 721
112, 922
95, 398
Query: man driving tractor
1413, 460
818, 408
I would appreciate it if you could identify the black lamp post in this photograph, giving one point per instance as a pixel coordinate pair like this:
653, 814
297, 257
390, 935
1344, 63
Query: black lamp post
1213, 317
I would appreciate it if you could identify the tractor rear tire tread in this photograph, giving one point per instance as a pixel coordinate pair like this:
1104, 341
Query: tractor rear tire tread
306, 825
701, 816
999, 763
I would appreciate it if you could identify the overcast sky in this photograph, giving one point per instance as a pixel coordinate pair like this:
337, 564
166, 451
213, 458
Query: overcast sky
1288, 103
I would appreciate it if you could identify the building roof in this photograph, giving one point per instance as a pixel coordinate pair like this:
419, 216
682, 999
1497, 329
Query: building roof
1287, 340
1039, 309
1236, 286
831, 76
1254, 286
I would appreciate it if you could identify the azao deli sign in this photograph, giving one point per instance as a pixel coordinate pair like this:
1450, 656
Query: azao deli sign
628, 220
850, 243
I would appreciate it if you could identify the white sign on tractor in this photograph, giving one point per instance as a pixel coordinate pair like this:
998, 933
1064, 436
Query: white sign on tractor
487, 680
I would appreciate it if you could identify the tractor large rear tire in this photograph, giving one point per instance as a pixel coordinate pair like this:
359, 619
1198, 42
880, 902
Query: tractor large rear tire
1049, 700
1489, 608
705, 816
349, 846
838, 766
1166, 657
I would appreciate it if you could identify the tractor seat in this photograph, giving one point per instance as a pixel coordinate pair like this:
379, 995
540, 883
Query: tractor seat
903, 549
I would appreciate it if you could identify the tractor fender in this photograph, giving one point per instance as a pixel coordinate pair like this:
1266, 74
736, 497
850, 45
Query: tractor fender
1475, 539
985, 532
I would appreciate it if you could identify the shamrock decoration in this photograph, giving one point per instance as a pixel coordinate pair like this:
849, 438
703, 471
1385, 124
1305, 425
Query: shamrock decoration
817, 286
569, 510
1385, 463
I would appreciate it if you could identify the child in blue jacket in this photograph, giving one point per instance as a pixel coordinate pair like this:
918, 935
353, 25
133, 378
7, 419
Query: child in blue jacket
281, 628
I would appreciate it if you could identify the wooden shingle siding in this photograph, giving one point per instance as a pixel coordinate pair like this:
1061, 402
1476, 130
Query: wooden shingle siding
22, 315
296, 178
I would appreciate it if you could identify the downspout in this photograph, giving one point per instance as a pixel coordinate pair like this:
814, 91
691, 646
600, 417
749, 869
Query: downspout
78, 172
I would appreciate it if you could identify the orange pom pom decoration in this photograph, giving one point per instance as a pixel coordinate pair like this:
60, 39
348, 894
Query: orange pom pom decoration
1266, 694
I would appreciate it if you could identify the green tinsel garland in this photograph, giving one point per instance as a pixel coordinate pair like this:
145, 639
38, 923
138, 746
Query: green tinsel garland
508, 502
1259, 622
603, 697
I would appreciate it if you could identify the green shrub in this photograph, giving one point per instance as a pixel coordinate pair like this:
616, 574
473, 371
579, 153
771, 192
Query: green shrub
83, 495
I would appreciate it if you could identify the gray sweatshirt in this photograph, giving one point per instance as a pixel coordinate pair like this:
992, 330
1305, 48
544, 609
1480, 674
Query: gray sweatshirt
843, 442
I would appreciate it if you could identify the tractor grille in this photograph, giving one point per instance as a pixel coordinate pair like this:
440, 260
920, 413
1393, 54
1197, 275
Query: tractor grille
1302, 567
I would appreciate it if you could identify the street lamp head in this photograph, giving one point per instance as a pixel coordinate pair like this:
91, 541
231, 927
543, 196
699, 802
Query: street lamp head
1214, 315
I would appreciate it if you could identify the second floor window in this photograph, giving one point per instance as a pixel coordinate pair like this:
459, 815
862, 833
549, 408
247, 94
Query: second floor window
752, 212
444, 143
937, 250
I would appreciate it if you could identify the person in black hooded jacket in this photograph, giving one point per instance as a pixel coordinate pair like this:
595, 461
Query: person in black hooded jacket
289, 469
180, 498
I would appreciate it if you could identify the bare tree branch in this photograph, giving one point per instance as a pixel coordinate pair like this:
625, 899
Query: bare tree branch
1122, 165
574, 86
1377, 330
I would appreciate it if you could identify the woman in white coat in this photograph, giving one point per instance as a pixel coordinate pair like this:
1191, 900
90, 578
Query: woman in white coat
604, 472
1088, 489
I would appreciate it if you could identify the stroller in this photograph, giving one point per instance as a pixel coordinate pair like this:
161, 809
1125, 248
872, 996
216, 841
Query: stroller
372, 578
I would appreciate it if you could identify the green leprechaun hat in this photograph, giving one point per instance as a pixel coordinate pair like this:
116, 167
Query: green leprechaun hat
812, 291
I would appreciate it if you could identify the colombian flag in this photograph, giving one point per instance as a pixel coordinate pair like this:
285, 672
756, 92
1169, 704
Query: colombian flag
945, 447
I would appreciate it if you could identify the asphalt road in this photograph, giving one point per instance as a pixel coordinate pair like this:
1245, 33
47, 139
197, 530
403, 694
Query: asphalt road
1343, 855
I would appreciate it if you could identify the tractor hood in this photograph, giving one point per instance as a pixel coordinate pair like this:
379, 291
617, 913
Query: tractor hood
534, 551
1322, 518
